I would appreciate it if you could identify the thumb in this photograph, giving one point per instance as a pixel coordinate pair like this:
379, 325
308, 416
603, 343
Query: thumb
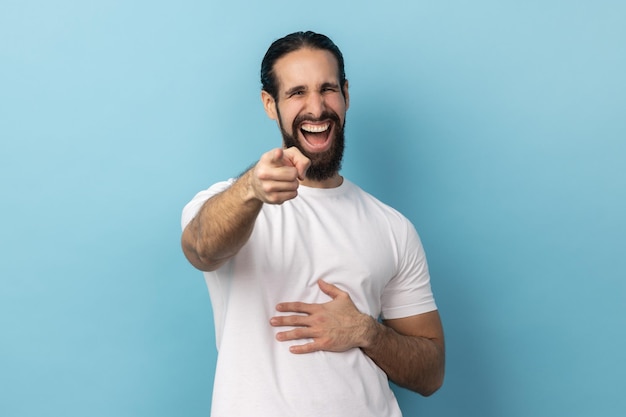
329, 289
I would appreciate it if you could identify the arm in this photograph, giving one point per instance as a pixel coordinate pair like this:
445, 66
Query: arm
225, 221
409, 350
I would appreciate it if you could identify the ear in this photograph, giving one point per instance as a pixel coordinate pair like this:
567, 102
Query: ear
346, 94
269, 104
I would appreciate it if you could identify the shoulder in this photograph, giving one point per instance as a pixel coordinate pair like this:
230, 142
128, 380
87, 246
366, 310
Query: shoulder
193, 206
373, 204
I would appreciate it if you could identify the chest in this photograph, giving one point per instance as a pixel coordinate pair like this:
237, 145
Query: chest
291, 248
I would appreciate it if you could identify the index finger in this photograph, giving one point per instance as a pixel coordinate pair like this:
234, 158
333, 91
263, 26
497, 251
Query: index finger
295, 307
276, 157
298, 160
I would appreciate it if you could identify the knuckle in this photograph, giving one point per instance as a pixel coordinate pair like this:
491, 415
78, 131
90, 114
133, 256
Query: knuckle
266, 187
272, 198
324, 344
320, 320
261, 171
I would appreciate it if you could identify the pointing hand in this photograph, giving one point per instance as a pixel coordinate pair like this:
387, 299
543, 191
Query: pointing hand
275, 177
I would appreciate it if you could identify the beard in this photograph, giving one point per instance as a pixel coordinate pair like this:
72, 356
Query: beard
323, 164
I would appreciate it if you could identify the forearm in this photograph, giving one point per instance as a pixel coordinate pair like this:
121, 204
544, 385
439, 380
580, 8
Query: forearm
413, 362
222, 226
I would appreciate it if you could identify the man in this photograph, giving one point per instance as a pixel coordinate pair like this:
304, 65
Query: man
301, 263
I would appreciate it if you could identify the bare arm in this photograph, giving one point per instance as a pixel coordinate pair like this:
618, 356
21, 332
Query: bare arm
410, 350
222, 226
225, 221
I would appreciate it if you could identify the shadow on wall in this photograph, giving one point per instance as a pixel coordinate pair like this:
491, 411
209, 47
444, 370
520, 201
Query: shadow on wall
388, 146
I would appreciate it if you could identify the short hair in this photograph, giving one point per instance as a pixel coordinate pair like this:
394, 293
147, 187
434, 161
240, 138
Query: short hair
291, 43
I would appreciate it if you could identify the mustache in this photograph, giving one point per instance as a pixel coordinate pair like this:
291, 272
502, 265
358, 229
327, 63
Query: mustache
326, 115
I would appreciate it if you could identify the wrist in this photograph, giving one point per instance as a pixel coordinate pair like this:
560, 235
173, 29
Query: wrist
247, 191
372, 331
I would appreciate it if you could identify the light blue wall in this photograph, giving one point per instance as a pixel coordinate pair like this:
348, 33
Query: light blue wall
497, 127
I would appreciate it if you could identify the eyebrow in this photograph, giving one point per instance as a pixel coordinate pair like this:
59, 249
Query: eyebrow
295, 89
331, 85
303, 88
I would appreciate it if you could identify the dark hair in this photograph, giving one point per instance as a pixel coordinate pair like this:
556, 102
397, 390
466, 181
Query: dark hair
291, 43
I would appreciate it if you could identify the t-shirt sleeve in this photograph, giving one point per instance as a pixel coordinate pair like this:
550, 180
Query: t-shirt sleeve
409, 292
191, 209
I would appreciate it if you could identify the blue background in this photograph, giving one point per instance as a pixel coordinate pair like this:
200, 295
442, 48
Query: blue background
497, 127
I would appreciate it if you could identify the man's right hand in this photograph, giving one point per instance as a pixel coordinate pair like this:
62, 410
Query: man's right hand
275, 178
225, 221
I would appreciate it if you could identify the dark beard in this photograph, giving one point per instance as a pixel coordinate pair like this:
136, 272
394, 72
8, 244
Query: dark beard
324, 165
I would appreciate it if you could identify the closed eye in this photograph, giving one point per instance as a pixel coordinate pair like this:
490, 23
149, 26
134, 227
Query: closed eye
295, 91
329, 88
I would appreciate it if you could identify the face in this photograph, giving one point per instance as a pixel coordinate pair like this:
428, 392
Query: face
311, 108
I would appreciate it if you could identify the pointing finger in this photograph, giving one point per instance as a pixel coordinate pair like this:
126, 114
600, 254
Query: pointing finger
298, 160
277, 157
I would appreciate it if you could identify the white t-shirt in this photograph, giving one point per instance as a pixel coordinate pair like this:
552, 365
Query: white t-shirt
344, 236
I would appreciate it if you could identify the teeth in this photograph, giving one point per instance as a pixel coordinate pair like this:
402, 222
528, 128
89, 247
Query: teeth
315, 128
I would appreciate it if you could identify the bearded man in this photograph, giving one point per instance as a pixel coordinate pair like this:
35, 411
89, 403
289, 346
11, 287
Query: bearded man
320, 292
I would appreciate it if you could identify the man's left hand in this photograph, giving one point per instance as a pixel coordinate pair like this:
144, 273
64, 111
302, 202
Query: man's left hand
335, 326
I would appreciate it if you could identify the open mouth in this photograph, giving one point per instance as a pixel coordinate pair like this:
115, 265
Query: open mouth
316, 135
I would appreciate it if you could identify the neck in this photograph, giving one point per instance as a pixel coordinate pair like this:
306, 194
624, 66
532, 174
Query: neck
332, 182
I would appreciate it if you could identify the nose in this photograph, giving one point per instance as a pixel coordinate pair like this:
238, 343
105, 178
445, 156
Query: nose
315, 104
